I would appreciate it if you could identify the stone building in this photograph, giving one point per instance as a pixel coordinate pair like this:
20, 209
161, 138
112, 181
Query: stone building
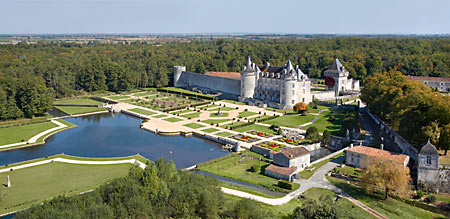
354, 156
440, 83
287, 163
266, 85
428, 166
336, 78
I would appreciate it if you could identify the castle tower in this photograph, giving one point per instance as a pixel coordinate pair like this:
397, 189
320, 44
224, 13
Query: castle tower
428, 167
289, 90
177, 71
248, 80
336, 77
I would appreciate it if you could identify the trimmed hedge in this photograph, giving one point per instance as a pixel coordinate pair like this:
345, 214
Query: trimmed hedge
198, 95
285, 184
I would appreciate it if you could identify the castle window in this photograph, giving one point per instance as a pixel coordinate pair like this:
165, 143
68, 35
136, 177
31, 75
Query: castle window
304, 91
293, 92
303, 99
428, 160
292, 101
293, 85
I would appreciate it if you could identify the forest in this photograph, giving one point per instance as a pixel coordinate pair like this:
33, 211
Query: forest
162, 191
70, 69
411, 108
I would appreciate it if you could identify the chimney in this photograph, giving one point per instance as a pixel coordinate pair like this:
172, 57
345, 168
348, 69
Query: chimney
382, 146
351, 145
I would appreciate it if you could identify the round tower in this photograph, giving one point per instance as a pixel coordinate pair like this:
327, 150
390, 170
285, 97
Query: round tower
248, 80
177, 71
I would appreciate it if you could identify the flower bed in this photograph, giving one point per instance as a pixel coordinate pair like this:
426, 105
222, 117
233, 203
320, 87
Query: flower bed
292, 141
271, 145
244, 138
261, 134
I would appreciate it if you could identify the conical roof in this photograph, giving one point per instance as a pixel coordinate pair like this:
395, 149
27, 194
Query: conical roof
248, 65
289, 66
429, 149
336, 65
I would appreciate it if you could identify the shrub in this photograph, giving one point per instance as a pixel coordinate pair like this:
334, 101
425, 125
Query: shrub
420, 194
246, 110
237, 107
430, 199
255, 168
285, 184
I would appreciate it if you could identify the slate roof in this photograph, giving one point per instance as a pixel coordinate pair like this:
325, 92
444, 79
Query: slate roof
420, 78
232, 75
429, 149
287, 171
336, 66
375, 152
292, 153
271, 68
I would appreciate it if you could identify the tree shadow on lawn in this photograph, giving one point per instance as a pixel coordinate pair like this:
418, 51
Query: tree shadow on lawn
339, 159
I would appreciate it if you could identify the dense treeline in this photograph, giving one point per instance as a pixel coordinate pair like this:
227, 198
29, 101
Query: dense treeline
410, 107
162, 191
69, 69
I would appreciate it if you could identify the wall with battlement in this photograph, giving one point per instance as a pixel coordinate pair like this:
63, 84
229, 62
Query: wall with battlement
324, 95
226, 85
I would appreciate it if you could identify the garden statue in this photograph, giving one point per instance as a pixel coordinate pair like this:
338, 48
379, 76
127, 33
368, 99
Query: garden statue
347, 136
218, 112
8, 183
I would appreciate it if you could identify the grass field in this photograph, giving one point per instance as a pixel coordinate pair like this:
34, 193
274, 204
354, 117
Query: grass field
194, 125
160, 116
73, 110
215, 121
280, 211
81, 101
246, 114
333, 126
291, 120
392, 209
349, 209
23, 133
234, 102
224, 134
142, 111
172, 119
117, 97
444, 159
183, 91
228, 125
210, 130
306, 174
35, 184
256, 127
191, 115
319, 107
235, 168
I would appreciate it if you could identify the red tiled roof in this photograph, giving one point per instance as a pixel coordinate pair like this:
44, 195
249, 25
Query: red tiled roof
232, 75
292, 153
287, 171
420, 78
374, 152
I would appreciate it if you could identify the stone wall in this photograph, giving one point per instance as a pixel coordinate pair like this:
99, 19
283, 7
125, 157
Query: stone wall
226, 85
403, 146
262, 151
324, 95
444, 180
276, 175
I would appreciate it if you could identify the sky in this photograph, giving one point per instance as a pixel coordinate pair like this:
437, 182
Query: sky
225, 16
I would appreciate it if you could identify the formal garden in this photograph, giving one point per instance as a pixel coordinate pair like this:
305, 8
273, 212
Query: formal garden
271, 145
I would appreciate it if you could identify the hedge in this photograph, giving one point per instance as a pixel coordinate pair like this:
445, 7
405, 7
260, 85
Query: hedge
285, 184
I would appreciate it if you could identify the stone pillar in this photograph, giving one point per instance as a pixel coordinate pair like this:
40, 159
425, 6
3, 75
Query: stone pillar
8, 183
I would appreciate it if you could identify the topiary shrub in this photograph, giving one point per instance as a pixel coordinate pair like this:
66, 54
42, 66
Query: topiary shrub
430, 199
285, 184
420, 194
255, 168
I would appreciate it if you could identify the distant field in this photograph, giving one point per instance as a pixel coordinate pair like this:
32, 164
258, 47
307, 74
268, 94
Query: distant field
73, 110
81, 101
35, 184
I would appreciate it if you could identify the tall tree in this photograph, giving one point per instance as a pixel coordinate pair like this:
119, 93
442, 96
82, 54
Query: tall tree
444, 139
385, 175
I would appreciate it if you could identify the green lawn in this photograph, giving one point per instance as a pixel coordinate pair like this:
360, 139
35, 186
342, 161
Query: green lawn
180, 112
218, 115
221, 109
210, 130
246, 114
333, 126
81, 101
223, 134
291, 120
194, 125
235, 167
183, 91
117, 97
142, 111
256, 127
160, 116
348, 208
228, 125
143, 94
172, 119
73, 110
22, 133
234, 102
306, 174
191, 115
391, 209
35, 184
215, 121
319, 107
